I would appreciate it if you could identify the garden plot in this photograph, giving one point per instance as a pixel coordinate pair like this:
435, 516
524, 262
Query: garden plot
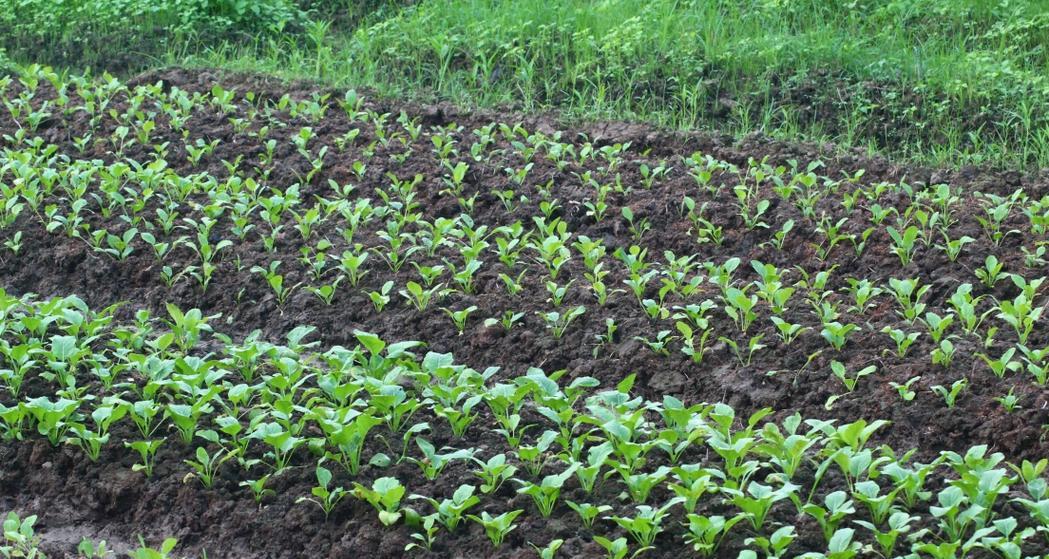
306, 320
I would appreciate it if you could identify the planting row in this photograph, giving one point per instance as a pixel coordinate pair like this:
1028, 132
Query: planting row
251, 202
439, 449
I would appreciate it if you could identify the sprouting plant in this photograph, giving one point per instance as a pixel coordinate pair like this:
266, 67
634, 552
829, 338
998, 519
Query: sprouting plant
774, 546
120, 246
557, 292
840, 545
938, 325
1002, 364
459, 317
550, 551
637, 228
950, 396
426, 535
943, 354
450, 511
904, 390
325, 496
779, 237
558, 322
953, 247
433, 463
1009, 401
659, 344
705, 533
756, 501
996, 211
54, 418
745, 354
1037, 361
196, 151
903, 340
704, 230
497, 527
21, 537
147, 451
1021, 314
276, 282
93, 550
850, 380
258, 488
788, 332
588, 512
904, 244
418, 295
381, 297
326, 292
618, 548
507, 320
837, 334
833, 233
649, 174
836, 507
14, 243
647, 524
897, 524
740, 308
546, 492
589, 471
750, 208
908, 295
964, 305
535, 456
991, 272
640, 484
206, 466
494, 472
694, 344
188, 327
384, 495
352, 264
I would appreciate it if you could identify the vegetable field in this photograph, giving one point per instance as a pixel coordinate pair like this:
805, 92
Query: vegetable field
271, 320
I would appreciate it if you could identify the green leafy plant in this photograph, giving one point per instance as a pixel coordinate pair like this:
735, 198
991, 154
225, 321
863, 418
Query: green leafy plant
450, 511
545, 493
850, 380
950, 395
384, 495
647, 524
325, 496
705, 533
497, 527
558, 322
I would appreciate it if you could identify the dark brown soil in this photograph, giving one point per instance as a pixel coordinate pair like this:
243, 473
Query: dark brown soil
77, 498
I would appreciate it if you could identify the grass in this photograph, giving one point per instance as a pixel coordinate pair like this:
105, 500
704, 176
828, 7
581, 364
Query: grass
944, 82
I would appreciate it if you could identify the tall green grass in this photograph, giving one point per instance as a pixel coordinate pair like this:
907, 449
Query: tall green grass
130, 35
939, 81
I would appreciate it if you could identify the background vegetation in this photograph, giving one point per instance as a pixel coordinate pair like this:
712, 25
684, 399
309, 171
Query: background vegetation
947, 82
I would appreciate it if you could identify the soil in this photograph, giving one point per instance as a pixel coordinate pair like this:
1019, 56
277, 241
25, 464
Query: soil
77, 498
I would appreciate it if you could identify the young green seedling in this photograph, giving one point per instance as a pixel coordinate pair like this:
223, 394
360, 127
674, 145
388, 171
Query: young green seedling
325, 496
450, 511
497, 527
385, 496
545, 493
950, 395
850, 381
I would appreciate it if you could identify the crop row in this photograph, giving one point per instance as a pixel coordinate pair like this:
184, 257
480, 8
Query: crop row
373, 417
193, 226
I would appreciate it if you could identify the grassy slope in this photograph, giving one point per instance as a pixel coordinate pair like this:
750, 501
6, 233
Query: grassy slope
941, 81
